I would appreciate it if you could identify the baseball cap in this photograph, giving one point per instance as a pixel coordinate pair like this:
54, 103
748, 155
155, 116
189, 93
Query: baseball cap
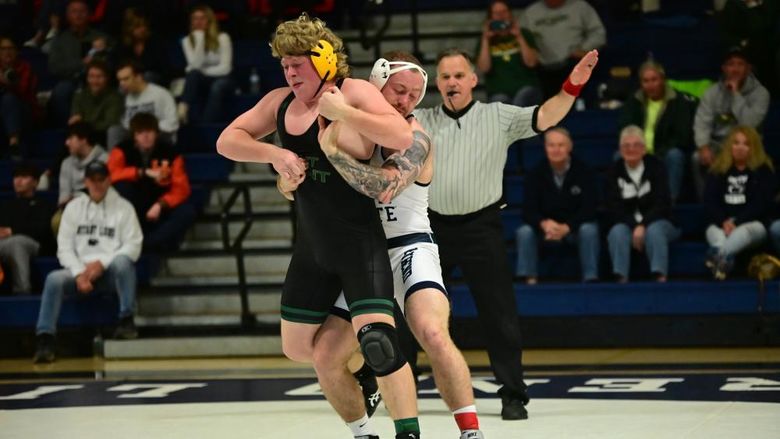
736, 52
96, 168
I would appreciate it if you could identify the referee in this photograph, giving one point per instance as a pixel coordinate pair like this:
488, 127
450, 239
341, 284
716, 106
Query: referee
472, 139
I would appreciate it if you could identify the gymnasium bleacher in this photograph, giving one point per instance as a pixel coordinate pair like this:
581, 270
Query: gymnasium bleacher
685, 41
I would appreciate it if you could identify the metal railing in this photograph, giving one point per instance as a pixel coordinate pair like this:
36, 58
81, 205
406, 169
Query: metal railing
236, 246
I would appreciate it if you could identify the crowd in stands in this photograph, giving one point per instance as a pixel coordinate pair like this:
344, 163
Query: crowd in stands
122, 101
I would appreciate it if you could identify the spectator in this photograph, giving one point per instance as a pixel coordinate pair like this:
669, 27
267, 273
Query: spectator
24, 227
82, 151
560, 205
47, 24
738, 198
98, 244
666, 116
564, 31
139, 44
753, 24
98, 104
143, 97
18, 104
737, 99
639, 208
71, 50
508, 57
209, 55
151, 175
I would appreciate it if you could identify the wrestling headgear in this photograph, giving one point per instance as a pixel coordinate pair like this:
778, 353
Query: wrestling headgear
383, 69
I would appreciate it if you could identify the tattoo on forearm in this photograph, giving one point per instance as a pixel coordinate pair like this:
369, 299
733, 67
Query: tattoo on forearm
398, 171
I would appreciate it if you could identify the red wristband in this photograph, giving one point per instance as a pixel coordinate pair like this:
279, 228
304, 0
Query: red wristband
571, 89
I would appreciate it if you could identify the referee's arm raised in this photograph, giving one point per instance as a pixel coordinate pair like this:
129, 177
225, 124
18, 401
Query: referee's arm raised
555, 108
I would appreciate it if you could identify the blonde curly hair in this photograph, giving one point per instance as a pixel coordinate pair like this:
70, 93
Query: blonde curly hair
298, 37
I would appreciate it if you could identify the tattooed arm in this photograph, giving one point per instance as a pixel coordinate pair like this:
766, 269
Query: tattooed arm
381, 183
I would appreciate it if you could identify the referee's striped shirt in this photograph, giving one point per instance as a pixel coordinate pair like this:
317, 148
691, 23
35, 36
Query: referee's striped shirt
468, 162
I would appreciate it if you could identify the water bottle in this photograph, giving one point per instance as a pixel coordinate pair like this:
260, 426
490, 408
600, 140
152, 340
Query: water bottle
254, 82
579, 104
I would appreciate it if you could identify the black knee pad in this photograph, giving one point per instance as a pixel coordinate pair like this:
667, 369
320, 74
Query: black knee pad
379, 345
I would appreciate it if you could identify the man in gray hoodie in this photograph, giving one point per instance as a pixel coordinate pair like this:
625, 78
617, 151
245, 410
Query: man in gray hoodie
736, 99
98, 244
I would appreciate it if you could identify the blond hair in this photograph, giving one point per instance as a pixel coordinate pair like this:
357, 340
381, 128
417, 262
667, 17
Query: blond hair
132, 20
758, 158
211, 37
298, 37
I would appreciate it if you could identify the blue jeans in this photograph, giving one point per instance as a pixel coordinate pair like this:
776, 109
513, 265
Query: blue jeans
526, 96
118, 277
744, 236
586, 238
675, 167
14, 113
774, 235
658, 235
60, 102
207, 93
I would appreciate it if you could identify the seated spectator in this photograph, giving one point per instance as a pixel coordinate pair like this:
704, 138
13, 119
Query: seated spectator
151, 175
666, 116
560, 206
508, 58
753, 24
639, 208
47, 24
18, 104
138, 44
738, 199
81, 152
737, 99
98, 244
71, 51
143, 97
209, 55
564, 31
99, 103
24, 227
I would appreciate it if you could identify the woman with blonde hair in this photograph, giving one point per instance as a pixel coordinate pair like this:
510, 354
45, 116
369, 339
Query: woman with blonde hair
737, 198
209, 55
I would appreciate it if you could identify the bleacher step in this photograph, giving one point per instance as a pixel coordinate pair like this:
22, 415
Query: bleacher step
219, 301
273, 228
183, 347
249, 244
219, 265
217, 281
203, 320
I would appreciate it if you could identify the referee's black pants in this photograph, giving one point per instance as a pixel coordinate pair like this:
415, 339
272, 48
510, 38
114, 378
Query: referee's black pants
475, 243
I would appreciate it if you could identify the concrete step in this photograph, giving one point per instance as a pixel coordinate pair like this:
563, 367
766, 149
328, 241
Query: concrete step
164, 281
203, 320
225, 265
182, 347
257, 194
261, 229
214, 303
249, 244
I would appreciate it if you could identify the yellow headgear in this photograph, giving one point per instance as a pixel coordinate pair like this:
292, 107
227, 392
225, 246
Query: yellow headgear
324, 60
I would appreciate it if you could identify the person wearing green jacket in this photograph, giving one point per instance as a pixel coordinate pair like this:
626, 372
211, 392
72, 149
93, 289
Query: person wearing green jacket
666, 116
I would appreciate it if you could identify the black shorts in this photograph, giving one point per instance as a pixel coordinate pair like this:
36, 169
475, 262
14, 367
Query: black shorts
356, 263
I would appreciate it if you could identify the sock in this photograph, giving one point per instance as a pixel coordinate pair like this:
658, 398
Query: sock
407, 428
361, 427
466, 418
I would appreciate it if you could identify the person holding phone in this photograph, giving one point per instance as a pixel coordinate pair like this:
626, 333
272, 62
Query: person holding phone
507, 55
